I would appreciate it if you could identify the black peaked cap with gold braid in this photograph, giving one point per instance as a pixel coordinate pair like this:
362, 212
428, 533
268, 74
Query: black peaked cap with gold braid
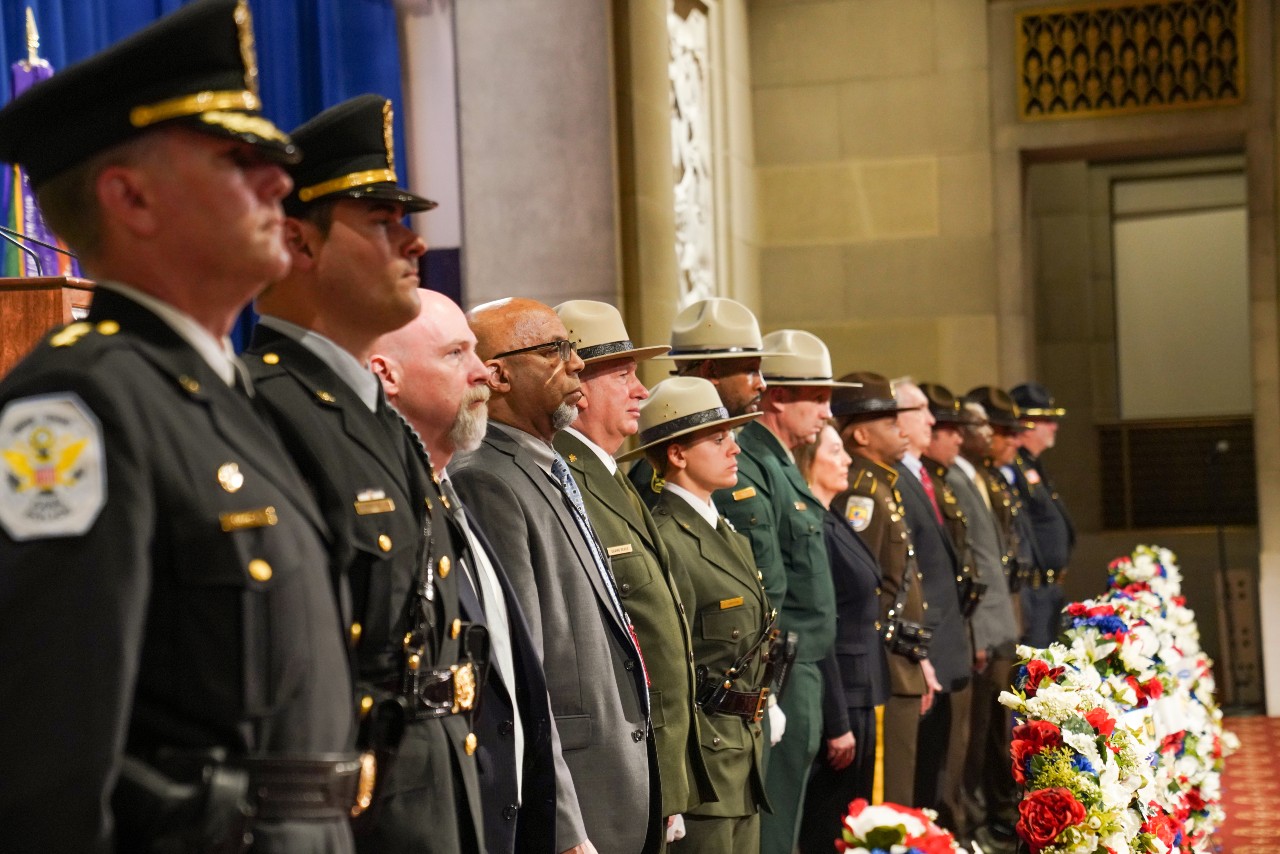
348, 152
196, 68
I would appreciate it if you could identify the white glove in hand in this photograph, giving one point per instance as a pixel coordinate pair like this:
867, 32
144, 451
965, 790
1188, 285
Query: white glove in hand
777, 724
675, 829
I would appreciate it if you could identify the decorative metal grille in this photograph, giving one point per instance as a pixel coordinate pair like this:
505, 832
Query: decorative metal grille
1108, 58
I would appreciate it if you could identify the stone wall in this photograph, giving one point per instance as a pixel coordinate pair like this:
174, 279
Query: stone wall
873, 155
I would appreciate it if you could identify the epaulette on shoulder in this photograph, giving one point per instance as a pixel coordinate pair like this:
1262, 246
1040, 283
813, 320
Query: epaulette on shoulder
81, 333
866, 481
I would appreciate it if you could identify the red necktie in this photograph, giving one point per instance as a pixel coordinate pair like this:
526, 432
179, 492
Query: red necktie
927, 483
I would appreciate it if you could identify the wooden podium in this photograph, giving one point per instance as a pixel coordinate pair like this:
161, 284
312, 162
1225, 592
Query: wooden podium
31, 306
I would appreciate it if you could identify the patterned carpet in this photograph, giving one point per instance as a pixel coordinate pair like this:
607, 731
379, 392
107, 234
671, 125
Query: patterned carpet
1251, 788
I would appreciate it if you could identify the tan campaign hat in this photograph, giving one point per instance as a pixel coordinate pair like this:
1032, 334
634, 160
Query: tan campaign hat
679, 406
597, 332
802, 359
715, 328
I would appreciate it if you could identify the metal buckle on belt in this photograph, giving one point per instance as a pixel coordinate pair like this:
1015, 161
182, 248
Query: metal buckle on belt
366, 784
760, 705
464, 687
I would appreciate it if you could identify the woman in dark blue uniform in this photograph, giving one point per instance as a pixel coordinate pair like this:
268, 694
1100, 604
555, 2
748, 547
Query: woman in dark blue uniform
855, 675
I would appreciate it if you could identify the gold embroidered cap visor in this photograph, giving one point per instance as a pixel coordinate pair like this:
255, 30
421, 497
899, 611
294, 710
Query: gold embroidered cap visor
195, 68
348, 152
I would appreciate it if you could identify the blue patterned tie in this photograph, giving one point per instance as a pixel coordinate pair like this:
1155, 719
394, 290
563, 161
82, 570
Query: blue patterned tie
571, 491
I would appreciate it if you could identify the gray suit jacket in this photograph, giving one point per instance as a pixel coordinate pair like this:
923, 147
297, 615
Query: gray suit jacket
594, 676
993, 623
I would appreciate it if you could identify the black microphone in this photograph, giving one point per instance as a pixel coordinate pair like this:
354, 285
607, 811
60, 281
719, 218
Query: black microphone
6, 236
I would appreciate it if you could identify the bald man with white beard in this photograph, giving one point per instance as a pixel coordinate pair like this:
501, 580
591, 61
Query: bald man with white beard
431, 374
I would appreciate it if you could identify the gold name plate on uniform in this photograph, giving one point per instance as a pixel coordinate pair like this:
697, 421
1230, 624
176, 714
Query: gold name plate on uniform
742, 494
377, 505
241, 519
730, 603
801, 506
624, 549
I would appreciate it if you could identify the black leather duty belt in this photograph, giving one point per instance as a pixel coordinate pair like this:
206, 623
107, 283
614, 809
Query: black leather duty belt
748, 705
308, 789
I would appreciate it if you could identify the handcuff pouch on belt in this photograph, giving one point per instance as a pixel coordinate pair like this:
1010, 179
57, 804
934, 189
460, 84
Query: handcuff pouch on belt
906, 637
714, 693
970, 593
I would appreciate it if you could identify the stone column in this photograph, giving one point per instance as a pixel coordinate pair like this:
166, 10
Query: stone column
536, 150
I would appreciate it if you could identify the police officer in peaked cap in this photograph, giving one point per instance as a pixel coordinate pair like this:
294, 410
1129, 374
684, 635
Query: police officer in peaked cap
174, 668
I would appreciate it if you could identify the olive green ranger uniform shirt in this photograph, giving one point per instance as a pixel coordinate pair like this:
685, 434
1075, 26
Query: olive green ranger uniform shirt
729, 612
873, 506
652, 590
772, 505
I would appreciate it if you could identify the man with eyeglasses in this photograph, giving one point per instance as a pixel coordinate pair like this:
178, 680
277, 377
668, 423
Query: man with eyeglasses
521, 493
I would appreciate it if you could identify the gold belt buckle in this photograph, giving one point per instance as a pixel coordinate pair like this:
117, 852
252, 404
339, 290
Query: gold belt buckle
464, 687
760, 704
368, 778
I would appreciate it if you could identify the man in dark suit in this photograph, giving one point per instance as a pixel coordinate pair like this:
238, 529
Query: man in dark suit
652, 590
522, 495
354, 277
1053, 533
950, 651
432, 375
164, 608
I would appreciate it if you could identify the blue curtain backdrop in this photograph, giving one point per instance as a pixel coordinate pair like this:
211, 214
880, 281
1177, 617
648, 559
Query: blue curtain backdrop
311, 53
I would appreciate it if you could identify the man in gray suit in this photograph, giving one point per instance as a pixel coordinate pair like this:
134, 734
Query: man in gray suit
521, 493
995, 633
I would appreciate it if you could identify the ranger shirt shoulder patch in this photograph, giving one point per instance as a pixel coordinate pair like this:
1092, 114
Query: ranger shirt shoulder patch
859, 511
53, 480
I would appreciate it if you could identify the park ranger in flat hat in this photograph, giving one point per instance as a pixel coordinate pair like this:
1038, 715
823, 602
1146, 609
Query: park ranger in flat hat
773, 505
718, 340
353, 278
652, 590
686, 432
154, 535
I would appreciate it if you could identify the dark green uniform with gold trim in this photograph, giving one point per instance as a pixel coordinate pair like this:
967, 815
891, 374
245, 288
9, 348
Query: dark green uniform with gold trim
652, 589
773, 506
379, 495
730, 611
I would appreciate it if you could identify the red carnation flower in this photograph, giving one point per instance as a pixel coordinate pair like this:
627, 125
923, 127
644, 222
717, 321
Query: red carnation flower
1101, 721
1045, 813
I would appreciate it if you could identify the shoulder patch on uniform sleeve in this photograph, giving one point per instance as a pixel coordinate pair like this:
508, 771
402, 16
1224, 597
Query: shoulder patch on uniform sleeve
53, 477
859, 511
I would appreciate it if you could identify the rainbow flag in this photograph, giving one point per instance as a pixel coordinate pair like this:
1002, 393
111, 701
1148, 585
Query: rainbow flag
21, 214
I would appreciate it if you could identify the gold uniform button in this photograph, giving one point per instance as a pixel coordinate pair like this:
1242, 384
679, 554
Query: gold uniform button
259, 569
415, 661
445, 565
356, 630
715, 741
384, 542
270, 359
455, 629
734, 634
325, 396
470, 743
366, 704
108, 327
191, 385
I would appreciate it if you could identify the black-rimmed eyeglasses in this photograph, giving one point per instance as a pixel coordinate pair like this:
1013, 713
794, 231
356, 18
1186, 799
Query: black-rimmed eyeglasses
564, 349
